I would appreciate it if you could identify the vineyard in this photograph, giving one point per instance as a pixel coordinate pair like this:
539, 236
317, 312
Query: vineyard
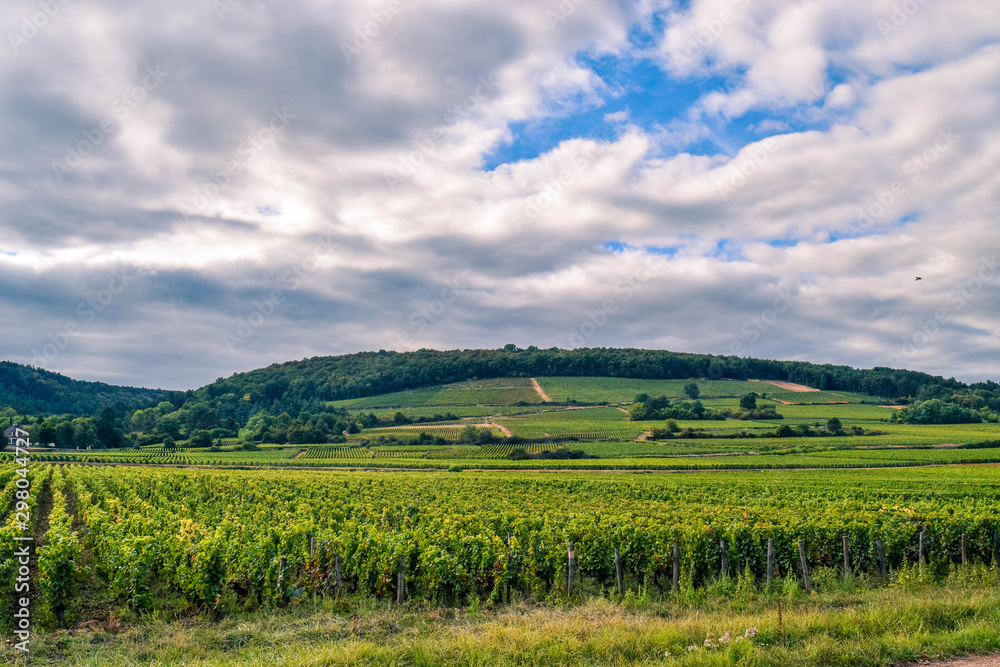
477, 402
348, 453
504, 391
696, 454
602, 434
228, 540
588, 423
446, 432
458, 452
623, 390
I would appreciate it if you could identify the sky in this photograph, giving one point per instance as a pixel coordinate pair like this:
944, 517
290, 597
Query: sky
201, 187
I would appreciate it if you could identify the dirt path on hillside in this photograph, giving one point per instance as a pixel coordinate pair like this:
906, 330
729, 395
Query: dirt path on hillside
974, 661
503, 429
790, 386
541, 392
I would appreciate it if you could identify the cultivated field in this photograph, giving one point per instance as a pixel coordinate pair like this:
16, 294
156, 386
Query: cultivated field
603, 431
142, 543
318, 536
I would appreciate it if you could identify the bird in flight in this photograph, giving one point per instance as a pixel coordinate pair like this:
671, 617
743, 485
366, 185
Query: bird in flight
919, 278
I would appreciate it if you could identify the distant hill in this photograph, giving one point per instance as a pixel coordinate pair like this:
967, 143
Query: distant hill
38, 392
297, 385
305, 385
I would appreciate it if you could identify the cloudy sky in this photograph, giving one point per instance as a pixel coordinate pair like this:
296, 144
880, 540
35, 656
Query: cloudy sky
199, 187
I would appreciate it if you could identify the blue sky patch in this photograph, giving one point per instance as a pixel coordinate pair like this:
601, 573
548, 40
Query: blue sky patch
665, 252
661, 104
618, 246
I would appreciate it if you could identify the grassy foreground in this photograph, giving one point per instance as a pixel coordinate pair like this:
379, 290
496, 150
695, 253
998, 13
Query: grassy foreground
854, 624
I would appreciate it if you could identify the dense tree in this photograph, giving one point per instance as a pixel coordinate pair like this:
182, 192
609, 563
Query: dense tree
470, 435
143, 421
748, 401
85, 433
691, 390
936, 411
47, 432
662, 407
40, 392
200, 438
169, 425
64, 435
108, 429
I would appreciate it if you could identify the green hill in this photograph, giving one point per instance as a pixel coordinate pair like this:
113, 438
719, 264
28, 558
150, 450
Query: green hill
293, 385
40, 392
308, 385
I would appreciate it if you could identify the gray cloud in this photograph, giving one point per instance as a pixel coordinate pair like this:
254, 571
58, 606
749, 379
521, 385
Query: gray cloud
291, 233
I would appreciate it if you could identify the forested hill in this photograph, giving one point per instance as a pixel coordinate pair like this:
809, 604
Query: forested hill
303, 385
40, 392
289, 386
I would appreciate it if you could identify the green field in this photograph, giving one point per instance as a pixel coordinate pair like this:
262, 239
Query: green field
373, 520
415, 412
603, 433
449, 432
488, 526
179, 567
504, 391
624, 390
853, 413
509, 391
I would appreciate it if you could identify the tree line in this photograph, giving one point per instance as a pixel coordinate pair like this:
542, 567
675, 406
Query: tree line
288, 402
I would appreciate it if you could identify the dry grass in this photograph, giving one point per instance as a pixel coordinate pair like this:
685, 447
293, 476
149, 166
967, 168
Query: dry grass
863, 627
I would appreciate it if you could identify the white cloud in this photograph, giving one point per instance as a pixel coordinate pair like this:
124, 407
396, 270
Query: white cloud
441, 87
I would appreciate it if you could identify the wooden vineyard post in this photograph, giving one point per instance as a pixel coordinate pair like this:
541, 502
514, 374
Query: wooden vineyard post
881, 557
571, 561
507, 586
847, 557
338, 581
964, 556
722, 548
996, 550
619, 573
401, 581
281, 576
770, 559
920, 549
677, 568
805, 565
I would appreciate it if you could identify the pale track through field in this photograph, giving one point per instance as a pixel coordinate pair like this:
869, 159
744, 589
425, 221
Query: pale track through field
790, 386
503, 429
541, 392
975, 661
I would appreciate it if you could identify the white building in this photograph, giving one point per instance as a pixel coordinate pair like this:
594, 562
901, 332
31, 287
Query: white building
16, 436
